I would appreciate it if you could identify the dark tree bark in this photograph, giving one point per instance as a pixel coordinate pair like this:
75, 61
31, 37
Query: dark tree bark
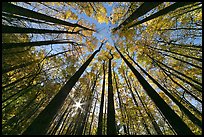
92, 118
194, 119
143, 9
12, 29
81, 128
179, 126
120, 104
7, 7
23, 18
41, 123
154, 123
162, 12
164, 71
111, 125
198, 59
36, 43
136, 104
182, 61
198, 88
100, 119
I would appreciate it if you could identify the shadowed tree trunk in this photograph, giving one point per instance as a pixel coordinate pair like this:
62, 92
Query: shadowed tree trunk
198, 59
120, 104
162, 12
177, 123
82, 123
198, 88
41, 124
92, 118
182, 61
36, 43
100, 119
136, 104
7, 7
111, 125
194, 119
143, 9
12, 29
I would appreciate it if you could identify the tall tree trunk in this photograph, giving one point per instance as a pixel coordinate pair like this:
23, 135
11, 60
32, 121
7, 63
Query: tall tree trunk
184, 75
111, 125
198, 88
7, 7
179, 126
92, 118
120, 104
143, 9
12, 29
36, 43
185, 90
100, 119
194, 119
154, 123
87, 109
182, 61
162, 12
198, 59
41, 124
135, 102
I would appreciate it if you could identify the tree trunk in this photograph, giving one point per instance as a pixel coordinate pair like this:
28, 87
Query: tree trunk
87, 109
92, 118
36, 43
7, 7
120, 104
198, 59
100, 119
179, 126
184, 80
182, 61
136, 104
41, 124
143, 9
194, 119
12, 29
111, 125
162, 12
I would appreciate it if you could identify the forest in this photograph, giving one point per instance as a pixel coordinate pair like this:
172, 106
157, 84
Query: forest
101, 68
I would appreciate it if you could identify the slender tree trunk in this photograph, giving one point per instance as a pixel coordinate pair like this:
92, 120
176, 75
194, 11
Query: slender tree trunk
182, 61
11, 29
162, 12
100, 119
24, 18
136, 104
111, 125
198, 88
41, 124
36, 43
194, 119
184, 75
7, 7
185, 90
156, 126
179, 126
92, 118
143, 9
181, 45
105, 119
120, 104
198, 59
87, 109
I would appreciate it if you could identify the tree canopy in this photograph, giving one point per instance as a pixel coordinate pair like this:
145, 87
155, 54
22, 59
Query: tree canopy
101, 68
